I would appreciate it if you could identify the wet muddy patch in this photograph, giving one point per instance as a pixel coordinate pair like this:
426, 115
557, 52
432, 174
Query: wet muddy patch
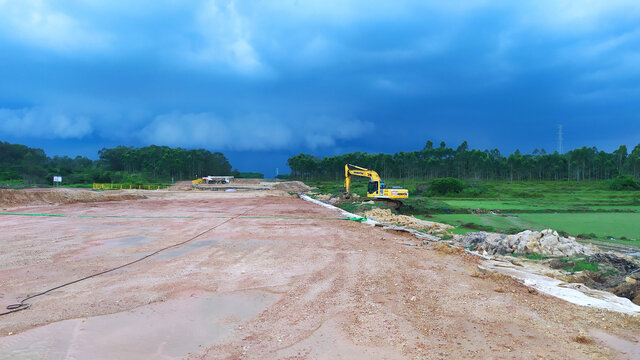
170, 329
99, 247
128, 241
186, 249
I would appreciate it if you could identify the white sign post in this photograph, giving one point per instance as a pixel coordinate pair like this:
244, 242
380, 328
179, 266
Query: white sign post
57, 179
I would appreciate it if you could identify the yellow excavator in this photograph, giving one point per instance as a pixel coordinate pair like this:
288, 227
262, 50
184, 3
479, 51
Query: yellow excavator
377, 188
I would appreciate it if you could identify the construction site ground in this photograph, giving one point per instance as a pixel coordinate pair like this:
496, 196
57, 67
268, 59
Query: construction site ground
269, 276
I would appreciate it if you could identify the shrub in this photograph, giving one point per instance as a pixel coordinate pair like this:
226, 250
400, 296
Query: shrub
444, 186
624, 182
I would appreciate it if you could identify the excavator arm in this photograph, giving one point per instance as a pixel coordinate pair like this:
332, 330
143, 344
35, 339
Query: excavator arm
350, 169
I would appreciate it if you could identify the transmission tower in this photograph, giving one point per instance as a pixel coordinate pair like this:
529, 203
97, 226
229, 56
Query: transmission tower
560, 139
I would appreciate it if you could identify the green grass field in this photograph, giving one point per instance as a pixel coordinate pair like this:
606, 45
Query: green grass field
487, 222
528, 205
604, 225
583, 208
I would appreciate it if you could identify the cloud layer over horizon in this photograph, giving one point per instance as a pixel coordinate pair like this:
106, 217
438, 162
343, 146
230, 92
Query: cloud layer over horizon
319, 76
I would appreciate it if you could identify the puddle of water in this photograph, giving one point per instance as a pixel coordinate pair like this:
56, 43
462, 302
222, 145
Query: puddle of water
165, 330
128, 241
626, 349
110, 244
185, 249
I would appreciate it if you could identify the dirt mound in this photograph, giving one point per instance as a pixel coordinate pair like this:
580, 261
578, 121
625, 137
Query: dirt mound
386, 216
13, 198
292, 186
246, 181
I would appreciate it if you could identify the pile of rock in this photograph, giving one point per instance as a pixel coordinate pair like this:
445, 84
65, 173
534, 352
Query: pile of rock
545, 242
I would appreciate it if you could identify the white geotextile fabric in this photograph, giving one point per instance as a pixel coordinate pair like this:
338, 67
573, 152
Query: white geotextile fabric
574, 293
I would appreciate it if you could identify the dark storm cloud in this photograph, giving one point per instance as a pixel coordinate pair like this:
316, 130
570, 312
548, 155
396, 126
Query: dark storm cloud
319, 76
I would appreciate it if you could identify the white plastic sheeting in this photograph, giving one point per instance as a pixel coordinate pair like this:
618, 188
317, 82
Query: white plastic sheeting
574, 293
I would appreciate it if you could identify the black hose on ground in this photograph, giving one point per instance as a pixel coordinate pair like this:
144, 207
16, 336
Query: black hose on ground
23, 305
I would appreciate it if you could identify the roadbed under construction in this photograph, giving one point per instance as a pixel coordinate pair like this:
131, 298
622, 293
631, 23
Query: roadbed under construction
265, 274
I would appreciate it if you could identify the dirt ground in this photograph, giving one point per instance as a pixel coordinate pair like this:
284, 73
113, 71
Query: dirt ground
270, 276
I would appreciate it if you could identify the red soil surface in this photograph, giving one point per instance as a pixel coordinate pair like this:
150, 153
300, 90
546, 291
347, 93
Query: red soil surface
278, 287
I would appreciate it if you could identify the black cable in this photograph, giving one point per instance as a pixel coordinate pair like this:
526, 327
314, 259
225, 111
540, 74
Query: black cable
23, 306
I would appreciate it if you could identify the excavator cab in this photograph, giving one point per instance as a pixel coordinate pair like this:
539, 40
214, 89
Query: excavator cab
373, 188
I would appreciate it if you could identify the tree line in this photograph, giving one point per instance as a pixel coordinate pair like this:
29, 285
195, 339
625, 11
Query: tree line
120, 164
165, 162
585, 163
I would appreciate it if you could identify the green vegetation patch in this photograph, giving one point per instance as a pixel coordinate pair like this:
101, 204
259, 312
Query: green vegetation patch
603, 225
536, 256
581, 265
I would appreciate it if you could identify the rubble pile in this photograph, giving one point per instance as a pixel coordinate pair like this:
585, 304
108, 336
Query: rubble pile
545, 242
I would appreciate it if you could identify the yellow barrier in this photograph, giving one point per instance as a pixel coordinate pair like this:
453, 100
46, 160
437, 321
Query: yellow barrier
97, 186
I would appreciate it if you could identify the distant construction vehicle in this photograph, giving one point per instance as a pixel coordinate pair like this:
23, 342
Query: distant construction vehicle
213, 180
376, 188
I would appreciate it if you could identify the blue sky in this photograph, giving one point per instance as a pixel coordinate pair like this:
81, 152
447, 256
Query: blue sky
264, 80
